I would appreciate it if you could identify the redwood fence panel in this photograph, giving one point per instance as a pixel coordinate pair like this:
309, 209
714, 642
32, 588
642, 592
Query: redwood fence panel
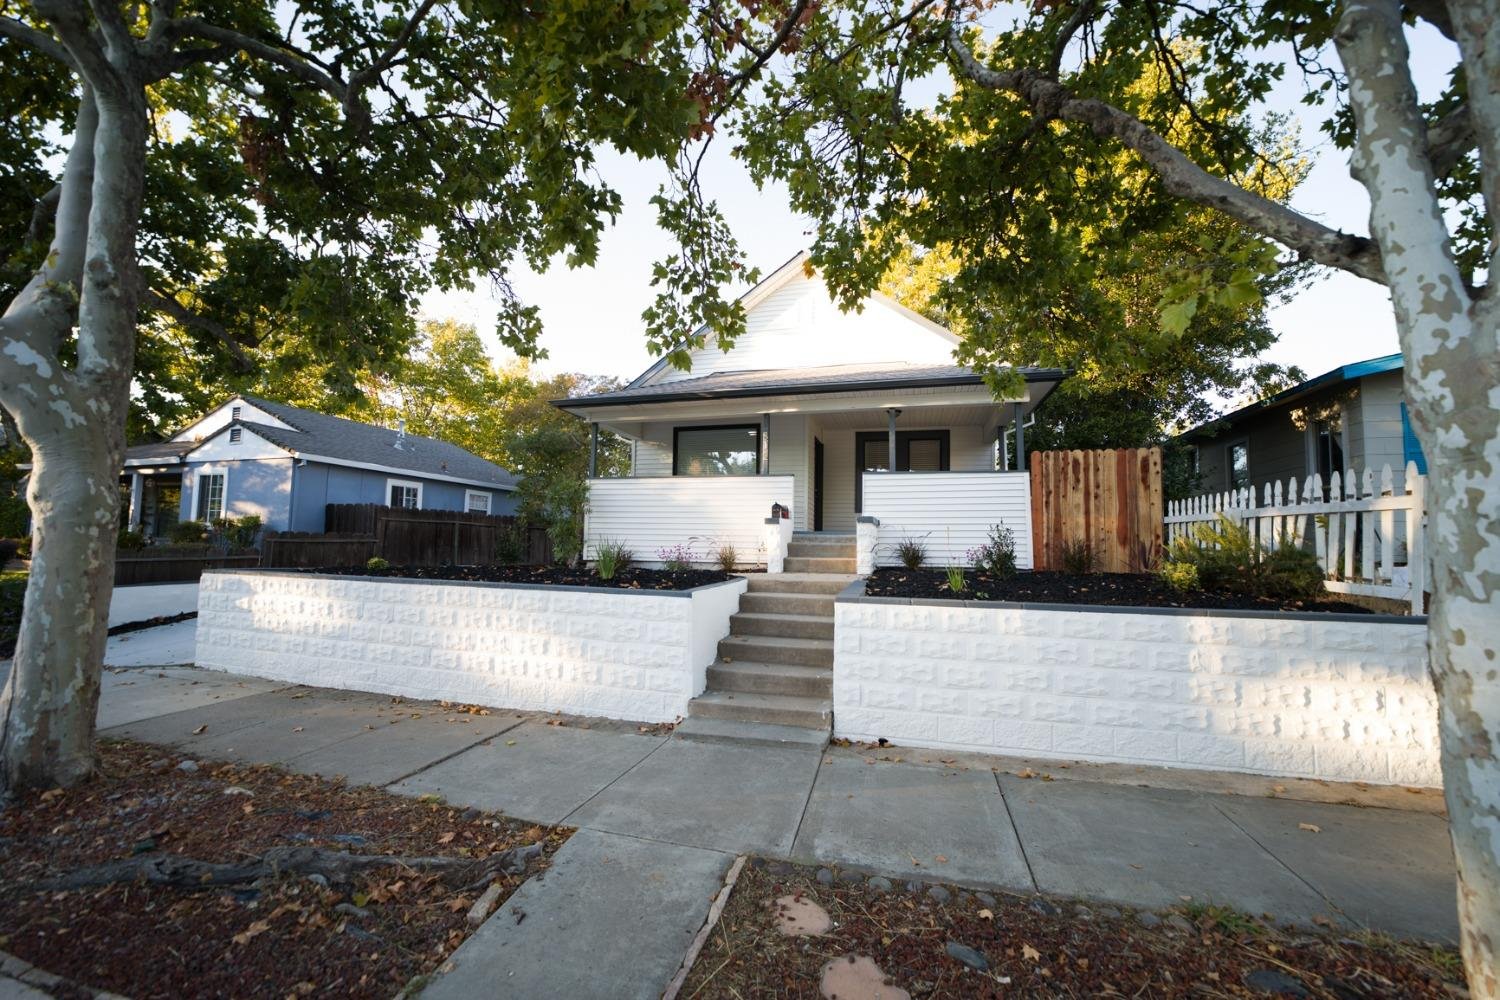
1109, 499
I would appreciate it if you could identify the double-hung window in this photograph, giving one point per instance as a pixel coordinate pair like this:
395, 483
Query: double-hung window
210, 496
1239, 465
476, 502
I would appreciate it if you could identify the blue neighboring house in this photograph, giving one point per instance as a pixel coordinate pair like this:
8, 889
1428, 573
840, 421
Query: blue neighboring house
284, 464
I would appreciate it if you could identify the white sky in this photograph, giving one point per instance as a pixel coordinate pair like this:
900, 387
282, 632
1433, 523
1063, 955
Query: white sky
592, 317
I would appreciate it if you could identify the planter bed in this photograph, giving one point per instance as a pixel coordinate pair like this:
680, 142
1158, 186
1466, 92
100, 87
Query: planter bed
551, 576
1100, 589
622, 651
1341, 697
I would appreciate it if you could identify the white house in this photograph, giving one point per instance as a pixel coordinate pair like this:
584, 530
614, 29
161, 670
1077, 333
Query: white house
831, 414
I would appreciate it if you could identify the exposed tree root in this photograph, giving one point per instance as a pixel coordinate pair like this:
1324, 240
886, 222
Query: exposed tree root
336, 866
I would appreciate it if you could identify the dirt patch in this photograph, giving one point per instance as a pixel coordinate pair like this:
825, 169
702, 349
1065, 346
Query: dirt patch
273, 937
556, 576
946, 942
1113, 589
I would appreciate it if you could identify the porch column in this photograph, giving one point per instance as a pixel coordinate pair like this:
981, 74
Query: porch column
593, 450
1002, 453
136, 485
890, 434
1020, 440
765, 444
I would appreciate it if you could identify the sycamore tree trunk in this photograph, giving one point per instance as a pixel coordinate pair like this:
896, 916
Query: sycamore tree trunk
73, 417
1449, 342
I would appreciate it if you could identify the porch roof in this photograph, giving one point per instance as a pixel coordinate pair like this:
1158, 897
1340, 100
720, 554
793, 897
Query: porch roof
798, 381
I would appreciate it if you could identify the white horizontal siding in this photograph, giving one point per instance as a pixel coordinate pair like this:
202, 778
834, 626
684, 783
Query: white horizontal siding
702, 513
798, 326
948, 512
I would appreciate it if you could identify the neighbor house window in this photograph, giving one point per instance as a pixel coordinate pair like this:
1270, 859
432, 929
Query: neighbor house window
235, 433
404, 493
716, 451
476, 502
210, 497
1239, 465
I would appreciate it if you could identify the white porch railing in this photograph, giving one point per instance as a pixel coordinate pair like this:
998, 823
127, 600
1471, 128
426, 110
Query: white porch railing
649, 514
1359, 534
948, 512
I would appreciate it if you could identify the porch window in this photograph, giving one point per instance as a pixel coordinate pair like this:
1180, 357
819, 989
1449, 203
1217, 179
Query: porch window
916, 451
210, 497
716, 451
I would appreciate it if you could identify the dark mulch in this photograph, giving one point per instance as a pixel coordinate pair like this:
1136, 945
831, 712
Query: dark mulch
630, 579
1115, 589
278, 938
1037, 947
8, 628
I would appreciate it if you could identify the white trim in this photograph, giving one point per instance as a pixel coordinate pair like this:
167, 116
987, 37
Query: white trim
403, 482
486, 496
391, 469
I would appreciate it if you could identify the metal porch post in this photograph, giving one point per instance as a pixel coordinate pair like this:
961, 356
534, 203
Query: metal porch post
890, 464
593, 451
1020, 440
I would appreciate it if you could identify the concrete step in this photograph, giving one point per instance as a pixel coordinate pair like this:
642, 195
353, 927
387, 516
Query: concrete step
833, 550
799, 583
787, 604
786, 626
770, 678
705, 730
773, 649
776, 709
843, 564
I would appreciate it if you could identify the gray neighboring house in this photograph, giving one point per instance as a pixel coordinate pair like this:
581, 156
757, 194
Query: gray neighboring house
284, 464
1353, 417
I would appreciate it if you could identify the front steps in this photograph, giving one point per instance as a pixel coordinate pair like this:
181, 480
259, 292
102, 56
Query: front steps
773, 681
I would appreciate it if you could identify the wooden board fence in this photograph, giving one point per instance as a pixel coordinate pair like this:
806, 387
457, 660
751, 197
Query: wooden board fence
1110, 500
1369, 540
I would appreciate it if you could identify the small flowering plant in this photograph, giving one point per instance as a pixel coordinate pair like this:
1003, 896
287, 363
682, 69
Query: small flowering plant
676, 558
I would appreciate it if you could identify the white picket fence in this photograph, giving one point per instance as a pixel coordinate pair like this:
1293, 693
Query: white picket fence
1354, 531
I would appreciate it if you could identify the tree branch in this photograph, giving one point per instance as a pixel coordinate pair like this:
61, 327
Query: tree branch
1081, 14
43, 212
1449, 139
42, 42
1474, 27
70, 20
194, 27
1179, 174
187, 317
1435, 13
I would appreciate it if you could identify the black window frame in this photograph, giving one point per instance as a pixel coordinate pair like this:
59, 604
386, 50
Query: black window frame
943, 436
1229, 464
677, 433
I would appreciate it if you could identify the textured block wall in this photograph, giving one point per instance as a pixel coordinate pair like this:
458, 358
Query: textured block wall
1328, 698
626, 655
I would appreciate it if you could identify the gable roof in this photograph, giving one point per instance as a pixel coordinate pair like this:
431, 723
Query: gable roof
798, 381
1336, 376
318, 436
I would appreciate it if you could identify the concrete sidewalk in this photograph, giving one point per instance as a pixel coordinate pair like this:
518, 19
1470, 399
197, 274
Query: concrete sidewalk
666, 805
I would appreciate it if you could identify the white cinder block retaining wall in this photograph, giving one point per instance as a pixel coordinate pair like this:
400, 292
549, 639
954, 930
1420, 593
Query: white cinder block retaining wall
625, 654
1338, 697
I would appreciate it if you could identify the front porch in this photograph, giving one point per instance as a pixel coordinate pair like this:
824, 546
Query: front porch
928, 463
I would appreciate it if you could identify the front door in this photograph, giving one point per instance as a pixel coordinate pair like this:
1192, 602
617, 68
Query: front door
916, 451
817, 485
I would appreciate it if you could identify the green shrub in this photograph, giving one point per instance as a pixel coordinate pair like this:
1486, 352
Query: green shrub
1077, 557
188, 533
912, 553
1223, 557
611, 558
510, 544
242, 532
130, 541
1180, 576
15, 517
956, 579
375, 564
997, 555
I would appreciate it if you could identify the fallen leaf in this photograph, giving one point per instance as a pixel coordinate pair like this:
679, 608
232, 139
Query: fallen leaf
254, 930
201, 730
1310, 827
1026, 772
446, 838
296, 729
51, 794
986, 915
941, 859
510, 743
1030, 954
459, 903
